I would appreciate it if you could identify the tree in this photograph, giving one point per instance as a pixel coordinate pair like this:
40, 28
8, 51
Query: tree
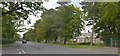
18, 11
22, 9
106, 19
73, 22
14, 27
30, 35
110, 21
92, 11
61, 23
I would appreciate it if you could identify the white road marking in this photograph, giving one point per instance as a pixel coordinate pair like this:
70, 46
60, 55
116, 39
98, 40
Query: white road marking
20, 53
22, 50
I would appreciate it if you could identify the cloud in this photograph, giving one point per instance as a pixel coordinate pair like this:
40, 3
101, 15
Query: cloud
50, 4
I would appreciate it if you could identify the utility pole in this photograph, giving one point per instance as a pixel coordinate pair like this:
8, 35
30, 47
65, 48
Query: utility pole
9, 30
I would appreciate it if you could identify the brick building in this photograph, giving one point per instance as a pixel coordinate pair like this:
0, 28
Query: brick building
85, 37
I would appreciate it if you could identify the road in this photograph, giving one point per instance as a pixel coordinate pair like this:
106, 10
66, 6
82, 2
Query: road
36, 48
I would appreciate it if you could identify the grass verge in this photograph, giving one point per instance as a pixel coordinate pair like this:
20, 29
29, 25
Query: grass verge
80, 46
5, 45
0, 45
118, 52
77, 46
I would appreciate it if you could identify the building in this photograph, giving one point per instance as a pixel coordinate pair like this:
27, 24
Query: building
85, 37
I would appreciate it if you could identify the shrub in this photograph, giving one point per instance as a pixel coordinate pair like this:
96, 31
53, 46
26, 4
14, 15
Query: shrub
85, 43
6, 41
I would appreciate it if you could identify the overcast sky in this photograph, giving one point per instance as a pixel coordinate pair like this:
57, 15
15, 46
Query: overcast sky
48, 5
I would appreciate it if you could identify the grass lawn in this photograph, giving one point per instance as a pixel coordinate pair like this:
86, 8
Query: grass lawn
118, 52
0, 45
97, 45
5, 45
80, 46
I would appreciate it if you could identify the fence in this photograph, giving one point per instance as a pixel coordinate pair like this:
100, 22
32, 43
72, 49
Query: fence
113, 42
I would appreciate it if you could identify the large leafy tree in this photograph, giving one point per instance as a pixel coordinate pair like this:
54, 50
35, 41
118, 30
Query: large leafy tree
17, 12
106, 18
73, 22
22, 9
30, 35
60, 23
10, 27
109, 20
91, 9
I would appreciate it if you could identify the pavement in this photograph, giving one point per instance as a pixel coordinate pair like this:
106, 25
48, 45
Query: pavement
37, 48
0, 50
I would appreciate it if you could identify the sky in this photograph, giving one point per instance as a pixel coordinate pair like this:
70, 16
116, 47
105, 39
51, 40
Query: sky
49, 5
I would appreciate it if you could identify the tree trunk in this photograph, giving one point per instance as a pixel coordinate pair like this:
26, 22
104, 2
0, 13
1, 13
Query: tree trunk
55, 40
65, 41
91, 42
46, 41
38, 40
60, 38
12, 35
48, 37
6, 35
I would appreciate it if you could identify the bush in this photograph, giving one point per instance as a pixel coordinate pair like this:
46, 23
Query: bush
74, 41
99, 44
85, 43
6, 41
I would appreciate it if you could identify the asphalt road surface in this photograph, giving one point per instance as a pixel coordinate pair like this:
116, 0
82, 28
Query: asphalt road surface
36, 48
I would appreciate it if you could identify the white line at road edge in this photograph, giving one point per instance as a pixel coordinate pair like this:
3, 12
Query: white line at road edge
22, 50
19, 51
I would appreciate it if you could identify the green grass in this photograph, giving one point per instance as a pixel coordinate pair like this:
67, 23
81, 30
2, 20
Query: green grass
118, 52
80, 46
76, 45
5, 45
0, 45
97, 45
68, 44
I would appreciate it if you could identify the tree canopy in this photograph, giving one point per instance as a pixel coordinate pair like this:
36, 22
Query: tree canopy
60, 23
